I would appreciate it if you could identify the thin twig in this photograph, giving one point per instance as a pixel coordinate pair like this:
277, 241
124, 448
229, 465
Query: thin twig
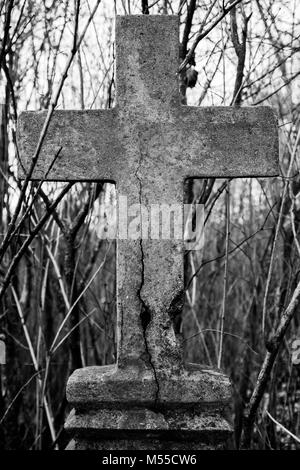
225, 281
278, 225
35, 364
201, 35
15, 261
75, 303
297, 439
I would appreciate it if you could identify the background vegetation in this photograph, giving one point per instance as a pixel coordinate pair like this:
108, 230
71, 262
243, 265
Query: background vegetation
57, 276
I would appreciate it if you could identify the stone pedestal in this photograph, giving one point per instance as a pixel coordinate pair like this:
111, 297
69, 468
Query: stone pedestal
127, 410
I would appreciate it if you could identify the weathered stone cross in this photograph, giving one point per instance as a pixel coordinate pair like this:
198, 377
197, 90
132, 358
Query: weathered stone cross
148, 144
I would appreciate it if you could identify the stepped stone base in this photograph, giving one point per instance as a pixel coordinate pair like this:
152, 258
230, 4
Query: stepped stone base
118, 410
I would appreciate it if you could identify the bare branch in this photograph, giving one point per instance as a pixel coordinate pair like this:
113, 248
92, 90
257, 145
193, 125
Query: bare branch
201, 35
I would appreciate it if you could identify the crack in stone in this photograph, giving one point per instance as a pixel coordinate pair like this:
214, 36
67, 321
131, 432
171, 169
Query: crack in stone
120, 331
145, 314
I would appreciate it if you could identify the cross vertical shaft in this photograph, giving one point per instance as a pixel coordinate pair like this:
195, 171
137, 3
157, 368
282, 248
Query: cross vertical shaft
147, 59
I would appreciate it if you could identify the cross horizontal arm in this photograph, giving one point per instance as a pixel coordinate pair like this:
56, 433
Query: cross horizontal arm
88, 141
230, 142
216, 141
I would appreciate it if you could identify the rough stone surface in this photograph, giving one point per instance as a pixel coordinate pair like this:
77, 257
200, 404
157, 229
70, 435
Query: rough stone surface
149, 444
148, 144
178, 426
95, 387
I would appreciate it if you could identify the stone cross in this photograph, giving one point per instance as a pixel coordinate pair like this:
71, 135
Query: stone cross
149, 144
